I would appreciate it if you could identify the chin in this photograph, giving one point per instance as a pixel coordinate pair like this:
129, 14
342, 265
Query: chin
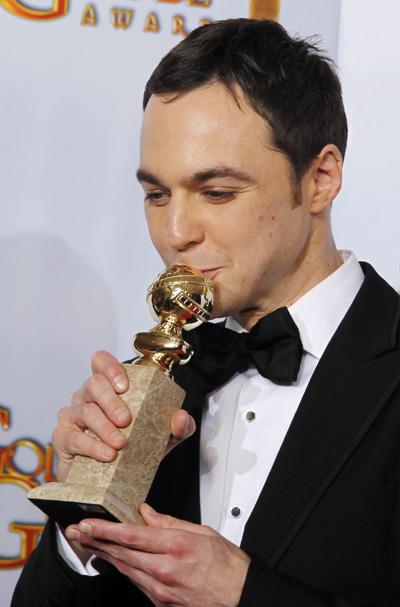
215, 315
221, 311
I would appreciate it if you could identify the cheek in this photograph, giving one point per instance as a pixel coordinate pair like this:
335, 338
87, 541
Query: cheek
258, 234
264, 246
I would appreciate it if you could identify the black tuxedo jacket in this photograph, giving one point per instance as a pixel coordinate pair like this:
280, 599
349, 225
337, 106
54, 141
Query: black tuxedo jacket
326, 528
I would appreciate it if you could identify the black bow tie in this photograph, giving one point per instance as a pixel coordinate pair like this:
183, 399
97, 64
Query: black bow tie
273, 346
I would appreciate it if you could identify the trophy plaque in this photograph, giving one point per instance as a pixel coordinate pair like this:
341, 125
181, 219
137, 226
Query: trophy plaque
180, 298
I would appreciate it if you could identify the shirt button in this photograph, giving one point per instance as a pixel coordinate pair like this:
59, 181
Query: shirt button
236, 511
250, 416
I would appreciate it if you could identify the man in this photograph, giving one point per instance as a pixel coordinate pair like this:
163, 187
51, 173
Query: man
294, 477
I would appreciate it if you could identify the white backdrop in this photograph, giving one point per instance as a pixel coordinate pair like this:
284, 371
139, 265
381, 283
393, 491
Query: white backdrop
75, 256
367, 213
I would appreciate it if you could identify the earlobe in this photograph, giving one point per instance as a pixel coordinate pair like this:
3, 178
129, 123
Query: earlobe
326, 178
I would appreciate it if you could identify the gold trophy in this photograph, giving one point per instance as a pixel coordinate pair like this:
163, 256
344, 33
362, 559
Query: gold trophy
180, 297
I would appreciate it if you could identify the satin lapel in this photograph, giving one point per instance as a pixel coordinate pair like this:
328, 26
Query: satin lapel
190, 456
356, 375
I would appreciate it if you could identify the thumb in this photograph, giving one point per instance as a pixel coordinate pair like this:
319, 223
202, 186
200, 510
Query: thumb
155, 519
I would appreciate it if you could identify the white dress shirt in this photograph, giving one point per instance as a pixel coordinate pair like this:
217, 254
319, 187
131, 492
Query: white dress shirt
246, 420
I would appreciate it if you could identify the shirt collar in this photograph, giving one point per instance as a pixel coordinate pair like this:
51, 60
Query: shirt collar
320, 311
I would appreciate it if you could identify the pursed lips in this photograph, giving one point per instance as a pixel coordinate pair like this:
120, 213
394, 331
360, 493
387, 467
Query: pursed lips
210, 273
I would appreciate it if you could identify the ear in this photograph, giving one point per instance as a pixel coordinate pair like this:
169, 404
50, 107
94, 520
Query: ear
326, 178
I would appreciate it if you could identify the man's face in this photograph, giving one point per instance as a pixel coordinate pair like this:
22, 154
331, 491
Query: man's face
219, 199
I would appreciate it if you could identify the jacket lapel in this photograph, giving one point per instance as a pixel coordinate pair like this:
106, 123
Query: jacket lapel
352, 382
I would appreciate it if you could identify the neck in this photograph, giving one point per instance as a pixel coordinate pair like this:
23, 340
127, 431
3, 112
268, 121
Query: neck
300, 278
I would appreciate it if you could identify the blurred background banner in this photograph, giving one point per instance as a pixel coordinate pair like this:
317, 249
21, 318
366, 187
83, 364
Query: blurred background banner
75, 255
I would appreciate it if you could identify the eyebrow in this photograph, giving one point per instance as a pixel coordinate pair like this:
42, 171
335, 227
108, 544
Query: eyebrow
200, 176
142, 175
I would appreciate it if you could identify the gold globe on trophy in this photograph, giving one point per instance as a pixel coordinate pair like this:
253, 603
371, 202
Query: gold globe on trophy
180, 298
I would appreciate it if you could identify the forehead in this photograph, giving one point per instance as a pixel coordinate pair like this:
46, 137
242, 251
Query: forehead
213, 100
205, 123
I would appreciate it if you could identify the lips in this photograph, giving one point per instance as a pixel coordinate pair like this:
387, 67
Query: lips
210, 273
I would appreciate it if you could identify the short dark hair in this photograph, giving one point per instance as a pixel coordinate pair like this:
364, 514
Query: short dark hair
288, 81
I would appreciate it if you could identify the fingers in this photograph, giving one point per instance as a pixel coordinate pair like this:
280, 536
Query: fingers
138, 566
98, 391
97, 533
82, 554
176, 562
104, 363
96, 407
182, 426
156, 538
70, 442
150, 540
155, 519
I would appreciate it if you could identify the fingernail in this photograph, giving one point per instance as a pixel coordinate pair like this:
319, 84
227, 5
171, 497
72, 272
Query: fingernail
108, 452
120, 383
72, 534
116, 437
148, 510
121, 415
85, 528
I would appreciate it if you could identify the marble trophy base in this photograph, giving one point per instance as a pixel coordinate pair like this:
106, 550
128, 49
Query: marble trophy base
115, 490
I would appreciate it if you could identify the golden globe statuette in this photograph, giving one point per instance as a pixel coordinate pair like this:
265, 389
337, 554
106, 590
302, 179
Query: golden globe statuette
180, 297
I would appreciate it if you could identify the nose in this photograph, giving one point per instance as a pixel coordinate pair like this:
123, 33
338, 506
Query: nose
185, 228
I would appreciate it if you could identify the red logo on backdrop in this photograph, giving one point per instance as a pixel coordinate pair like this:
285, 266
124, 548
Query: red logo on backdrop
11, 474
59, 9
122, 18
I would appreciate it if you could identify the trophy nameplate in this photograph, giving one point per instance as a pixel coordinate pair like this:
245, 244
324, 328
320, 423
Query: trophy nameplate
180, 297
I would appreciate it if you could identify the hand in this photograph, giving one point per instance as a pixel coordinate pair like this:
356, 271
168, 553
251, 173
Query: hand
175, 563
97, 406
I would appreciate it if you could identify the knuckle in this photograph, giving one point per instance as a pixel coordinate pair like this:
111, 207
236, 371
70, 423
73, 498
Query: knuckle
77, 396
161, 593
129, 534
115, 551
123, 567
74, 443
166, 575
100, 391
179, 550
208, 530
95, 383
87, 410
63, 414
56, 434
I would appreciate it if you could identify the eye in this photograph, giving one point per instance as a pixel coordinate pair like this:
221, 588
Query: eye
156, 198
216, 196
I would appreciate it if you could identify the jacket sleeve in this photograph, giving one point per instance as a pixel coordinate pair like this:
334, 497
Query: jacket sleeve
47, 581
